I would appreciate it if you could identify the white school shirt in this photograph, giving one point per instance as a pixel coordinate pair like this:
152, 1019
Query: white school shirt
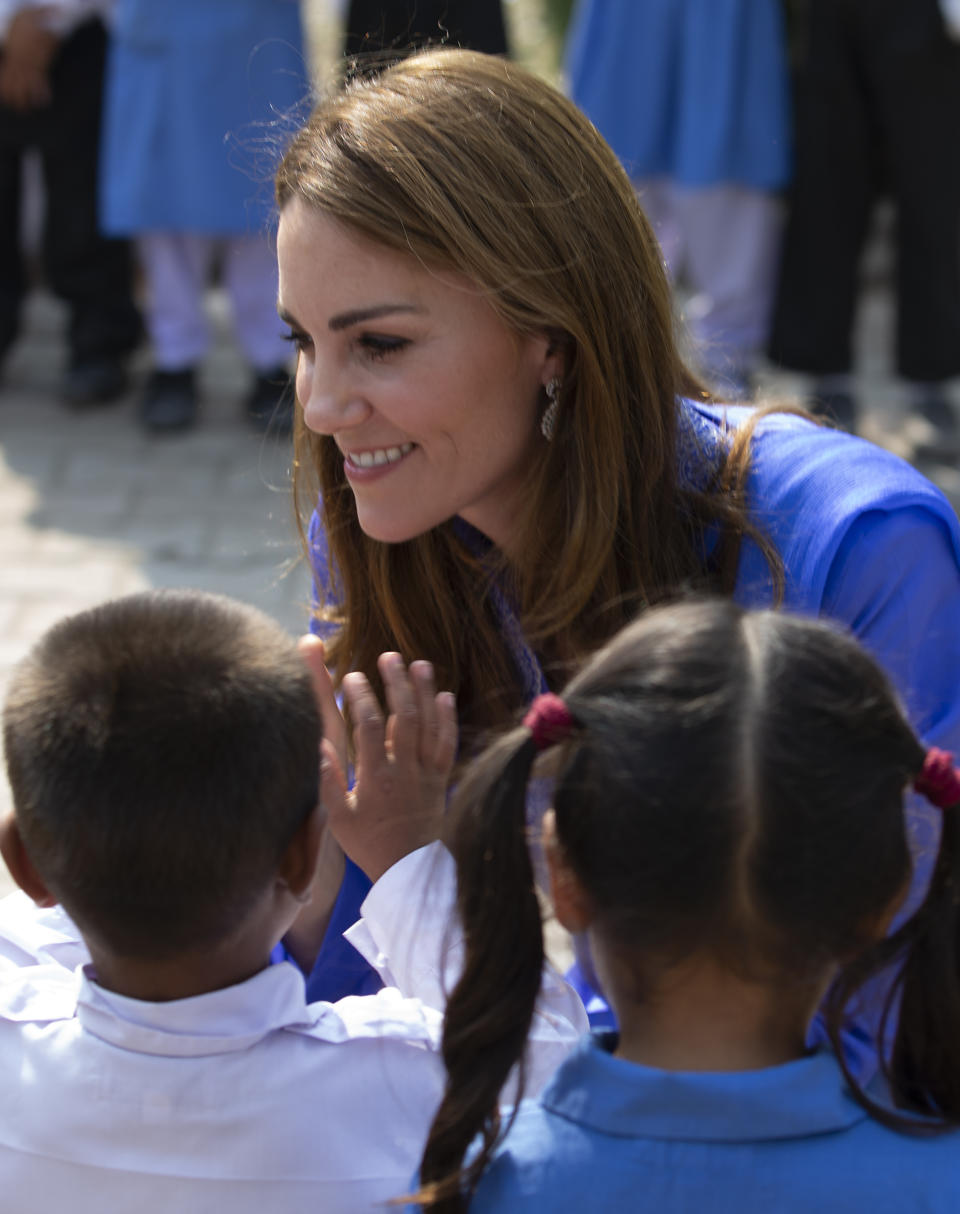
244, 1099
407, 932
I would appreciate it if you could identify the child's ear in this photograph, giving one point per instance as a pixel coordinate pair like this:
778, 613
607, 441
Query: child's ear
877, 927
20, 865
571, 902
298, 864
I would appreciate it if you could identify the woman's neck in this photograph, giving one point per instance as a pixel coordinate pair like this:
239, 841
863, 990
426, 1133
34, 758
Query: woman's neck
701, 1017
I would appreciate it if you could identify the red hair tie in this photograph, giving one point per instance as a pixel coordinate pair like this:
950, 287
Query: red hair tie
549, 720
939, 780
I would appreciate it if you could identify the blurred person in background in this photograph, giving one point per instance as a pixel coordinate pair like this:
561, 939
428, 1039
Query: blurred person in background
877, 104
197, 92
693, 96
374, 26
51, 79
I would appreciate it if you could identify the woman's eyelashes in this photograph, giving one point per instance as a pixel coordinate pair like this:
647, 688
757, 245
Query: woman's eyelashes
377, 346
373, 346
297, 339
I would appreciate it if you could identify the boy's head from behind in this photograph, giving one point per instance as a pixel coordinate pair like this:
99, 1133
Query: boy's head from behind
162, 752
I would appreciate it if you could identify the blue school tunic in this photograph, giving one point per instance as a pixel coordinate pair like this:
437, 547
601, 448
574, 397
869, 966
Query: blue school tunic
200, 99
864, 540
694, 90
611, 1135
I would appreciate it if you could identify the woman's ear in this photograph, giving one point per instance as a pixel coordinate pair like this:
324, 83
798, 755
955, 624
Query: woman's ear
572, 904
556, 360
20, 865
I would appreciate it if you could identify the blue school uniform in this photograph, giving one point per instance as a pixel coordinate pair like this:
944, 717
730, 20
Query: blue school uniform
864, 540
200, 101
693, 90
611, 1135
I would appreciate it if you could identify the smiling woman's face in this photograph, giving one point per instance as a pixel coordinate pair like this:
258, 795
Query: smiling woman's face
431, 398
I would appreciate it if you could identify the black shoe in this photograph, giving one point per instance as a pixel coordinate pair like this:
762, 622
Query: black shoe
169, 401
270, 403
94, 381
839, 407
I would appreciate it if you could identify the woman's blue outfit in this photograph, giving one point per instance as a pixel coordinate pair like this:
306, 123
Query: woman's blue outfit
864, 540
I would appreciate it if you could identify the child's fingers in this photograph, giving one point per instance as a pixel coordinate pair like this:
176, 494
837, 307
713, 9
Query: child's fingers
445, 706
334, 728
368, 730
421, 675
404, 724
333, 785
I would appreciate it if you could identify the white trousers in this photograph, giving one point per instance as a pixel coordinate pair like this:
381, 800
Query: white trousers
723, 242
177, 269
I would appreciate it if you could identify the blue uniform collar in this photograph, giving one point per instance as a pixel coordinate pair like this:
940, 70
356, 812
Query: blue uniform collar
612, 1096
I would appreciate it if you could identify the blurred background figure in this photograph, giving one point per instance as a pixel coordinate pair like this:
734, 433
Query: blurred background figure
194, 87
693, 95
383, 25
51, 79
877, 106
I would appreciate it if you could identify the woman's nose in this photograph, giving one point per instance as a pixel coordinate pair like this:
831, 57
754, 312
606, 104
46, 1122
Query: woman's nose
329, 404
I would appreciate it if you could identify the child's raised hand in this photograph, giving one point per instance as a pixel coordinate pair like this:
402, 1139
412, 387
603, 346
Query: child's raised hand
402, 766
334, 727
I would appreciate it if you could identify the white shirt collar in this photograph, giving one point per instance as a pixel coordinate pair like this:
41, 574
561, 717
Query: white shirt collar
233, 1018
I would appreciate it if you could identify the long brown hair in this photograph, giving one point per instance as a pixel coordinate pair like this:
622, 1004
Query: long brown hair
472, 164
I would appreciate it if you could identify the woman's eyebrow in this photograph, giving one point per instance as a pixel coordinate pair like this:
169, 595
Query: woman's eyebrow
343, 320
287, 317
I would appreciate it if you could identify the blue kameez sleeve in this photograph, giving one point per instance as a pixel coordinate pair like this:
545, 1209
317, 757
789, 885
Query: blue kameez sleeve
895, 582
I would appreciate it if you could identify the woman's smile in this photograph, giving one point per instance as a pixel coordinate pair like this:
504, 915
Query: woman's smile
431, 398
362, 467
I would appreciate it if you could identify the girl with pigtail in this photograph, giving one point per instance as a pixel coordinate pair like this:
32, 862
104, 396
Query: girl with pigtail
716, 775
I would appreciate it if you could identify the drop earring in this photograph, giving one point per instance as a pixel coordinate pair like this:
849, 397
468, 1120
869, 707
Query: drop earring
548, 422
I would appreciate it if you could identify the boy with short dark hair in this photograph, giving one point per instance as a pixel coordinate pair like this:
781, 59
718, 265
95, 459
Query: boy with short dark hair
162, 752
163, 755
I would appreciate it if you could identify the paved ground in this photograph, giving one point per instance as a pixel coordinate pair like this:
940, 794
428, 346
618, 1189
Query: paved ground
90, 507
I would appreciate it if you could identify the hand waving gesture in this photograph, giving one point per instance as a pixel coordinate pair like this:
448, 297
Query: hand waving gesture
403, 766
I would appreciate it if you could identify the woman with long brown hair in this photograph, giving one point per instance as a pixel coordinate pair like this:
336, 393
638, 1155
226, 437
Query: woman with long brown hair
506, 456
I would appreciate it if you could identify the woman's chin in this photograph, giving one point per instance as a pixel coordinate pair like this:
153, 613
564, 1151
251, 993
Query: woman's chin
392, 530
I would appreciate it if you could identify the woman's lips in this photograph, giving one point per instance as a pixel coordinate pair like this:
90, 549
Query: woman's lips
374, 462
